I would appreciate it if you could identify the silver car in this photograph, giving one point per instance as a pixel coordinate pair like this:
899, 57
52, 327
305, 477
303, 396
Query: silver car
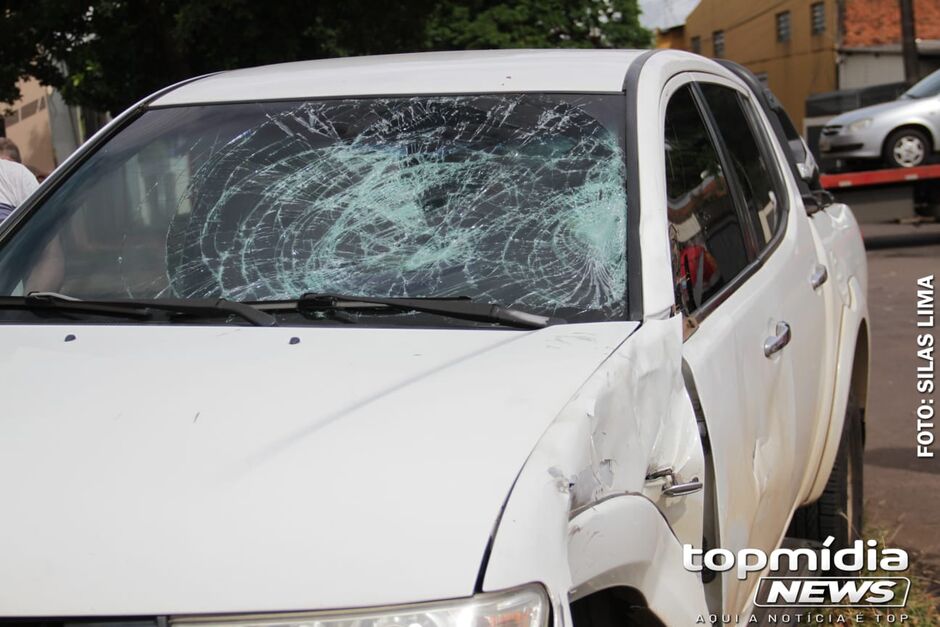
904, 132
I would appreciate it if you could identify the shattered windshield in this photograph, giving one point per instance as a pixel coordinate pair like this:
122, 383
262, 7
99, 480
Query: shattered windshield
518, 199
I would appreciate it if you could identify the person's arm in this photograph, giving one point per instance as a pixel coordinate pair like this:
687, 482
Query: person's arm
27, 184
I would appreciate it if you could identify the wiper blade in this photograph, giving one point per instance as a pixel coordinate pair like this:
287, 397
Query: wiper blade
138, 308
51, 303
460, 308
206, 307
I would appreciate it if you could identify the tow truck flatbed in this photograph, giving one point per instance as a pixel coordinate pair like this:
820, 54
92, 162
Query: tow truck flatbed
880, 177
888, 195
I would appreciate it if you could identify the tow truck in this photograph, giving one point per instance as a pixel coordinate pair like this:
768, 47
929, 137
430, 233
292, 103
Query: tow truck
890, 194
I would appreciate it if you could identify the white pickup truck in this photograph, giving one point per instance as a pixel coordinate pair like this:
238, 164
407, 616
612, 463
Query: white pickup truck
444, 339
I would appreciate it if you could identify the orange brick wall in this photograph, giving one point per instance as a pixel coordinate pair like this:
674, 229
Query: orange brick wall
871, 22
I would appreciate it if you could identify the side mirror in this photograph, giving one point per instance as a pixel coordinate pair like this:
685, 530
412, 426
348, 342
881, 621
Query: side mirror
805, 162
825, 197
806, 171
817, 200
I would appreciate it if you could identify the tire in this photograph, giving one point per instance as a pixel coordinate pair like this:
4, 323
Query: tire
906, 148
838, 512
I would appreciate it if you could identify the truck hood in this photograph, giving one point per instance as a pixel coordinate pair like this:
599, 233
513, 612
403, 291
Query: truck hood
165, 470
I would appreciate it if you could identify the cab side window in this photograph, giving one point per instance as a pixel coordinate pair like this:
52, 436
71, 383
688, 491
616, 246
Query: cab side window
706, 235
751, 169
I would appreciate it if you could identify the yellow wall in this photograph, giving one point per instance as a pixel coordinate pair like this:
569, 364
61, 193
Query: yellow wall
672, 38
29, 128
805, 65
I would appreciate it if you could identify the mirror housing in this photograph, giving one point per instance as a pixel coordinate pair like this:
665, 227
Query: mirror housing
806, 163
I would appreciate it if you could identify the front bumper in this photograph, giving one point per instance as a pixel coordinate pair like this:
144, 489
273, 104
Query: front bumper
845, 145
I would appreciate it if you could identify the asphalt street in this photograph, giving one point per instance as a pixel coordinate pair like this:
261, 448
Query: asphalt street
902, 493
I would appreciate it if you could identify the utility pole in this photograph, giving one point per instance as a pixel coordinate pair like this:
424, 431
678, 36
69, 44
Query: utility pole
909, 41
840, 40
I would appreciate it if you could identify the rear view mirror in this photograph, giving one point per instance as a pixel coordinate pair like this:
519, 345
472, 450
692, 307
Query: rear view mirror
825, 197
817, 200
805, 162
805, 170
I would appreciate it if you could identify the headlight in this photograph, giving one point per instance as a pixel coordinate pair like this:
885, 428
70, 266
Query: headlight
527, 606
860, 125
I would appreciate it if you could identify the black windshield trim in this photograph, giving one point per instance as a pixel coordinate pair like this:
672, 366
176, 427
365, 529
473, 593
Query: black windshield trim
631, 153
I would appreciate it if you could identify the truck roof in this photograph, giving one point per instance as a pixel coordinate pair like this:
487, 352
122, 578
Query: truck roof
464, 72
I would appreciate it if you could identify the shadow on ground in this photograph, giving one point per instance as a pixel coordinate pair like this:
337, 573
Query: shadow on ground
900, 458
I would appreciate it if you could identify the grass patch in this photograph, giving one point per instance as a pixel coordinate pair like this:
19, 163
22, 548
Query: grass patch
923, 600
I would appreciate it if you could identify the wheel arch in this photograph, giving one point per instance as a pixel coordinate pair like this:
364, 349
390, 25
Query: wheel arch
651, 562
613, 607
917, 126
858, 385
852, 374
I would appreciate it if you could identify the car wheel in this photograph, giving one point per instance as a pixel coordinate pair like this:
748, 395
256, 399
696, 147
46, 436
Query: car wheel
838, 512
906, 148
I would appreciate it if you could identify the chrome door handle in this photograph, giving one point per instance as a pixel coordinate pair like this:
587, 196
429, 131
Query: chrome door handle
673, 486
683, 489
819, 276
775, 342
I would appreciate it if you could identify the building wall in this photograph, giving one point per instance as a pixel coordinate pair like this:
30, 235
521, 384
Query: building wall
804, 65
27, 124
671, 38
873, 22
864, 69
860, 68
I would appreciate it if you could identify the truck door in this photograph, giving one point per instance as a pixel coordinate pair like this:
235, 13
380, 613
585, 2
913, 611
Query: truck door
742, 263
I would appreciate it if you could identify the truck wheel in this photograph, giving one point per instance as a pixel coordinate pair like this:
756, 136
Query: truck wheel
906, 148
838, 512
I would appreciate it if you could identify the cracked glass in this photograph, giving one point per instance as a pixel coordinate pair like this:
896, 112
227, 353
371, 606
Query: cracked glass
517, 199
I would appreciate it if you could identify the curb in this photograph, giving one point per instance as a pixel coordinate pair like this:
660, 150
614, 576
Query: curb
875, 242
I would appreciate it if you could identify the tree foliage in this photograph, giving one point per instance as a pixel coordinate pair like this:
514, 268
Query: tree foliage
106, 54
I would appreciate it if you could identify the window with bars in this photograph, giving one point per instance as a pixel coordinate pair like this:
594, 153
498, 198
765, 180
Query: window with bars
817, 14
718, 42
696, 44
783, 26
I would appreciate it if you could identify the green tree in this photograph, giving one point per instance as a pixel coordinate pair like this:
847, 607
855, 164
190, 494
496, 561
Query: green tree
107, 54
476, 24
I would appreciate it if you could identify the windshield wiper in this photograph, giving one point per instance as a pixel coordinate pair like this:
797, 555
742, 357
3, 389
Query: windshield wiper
460, 308
141, 309
51, 303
